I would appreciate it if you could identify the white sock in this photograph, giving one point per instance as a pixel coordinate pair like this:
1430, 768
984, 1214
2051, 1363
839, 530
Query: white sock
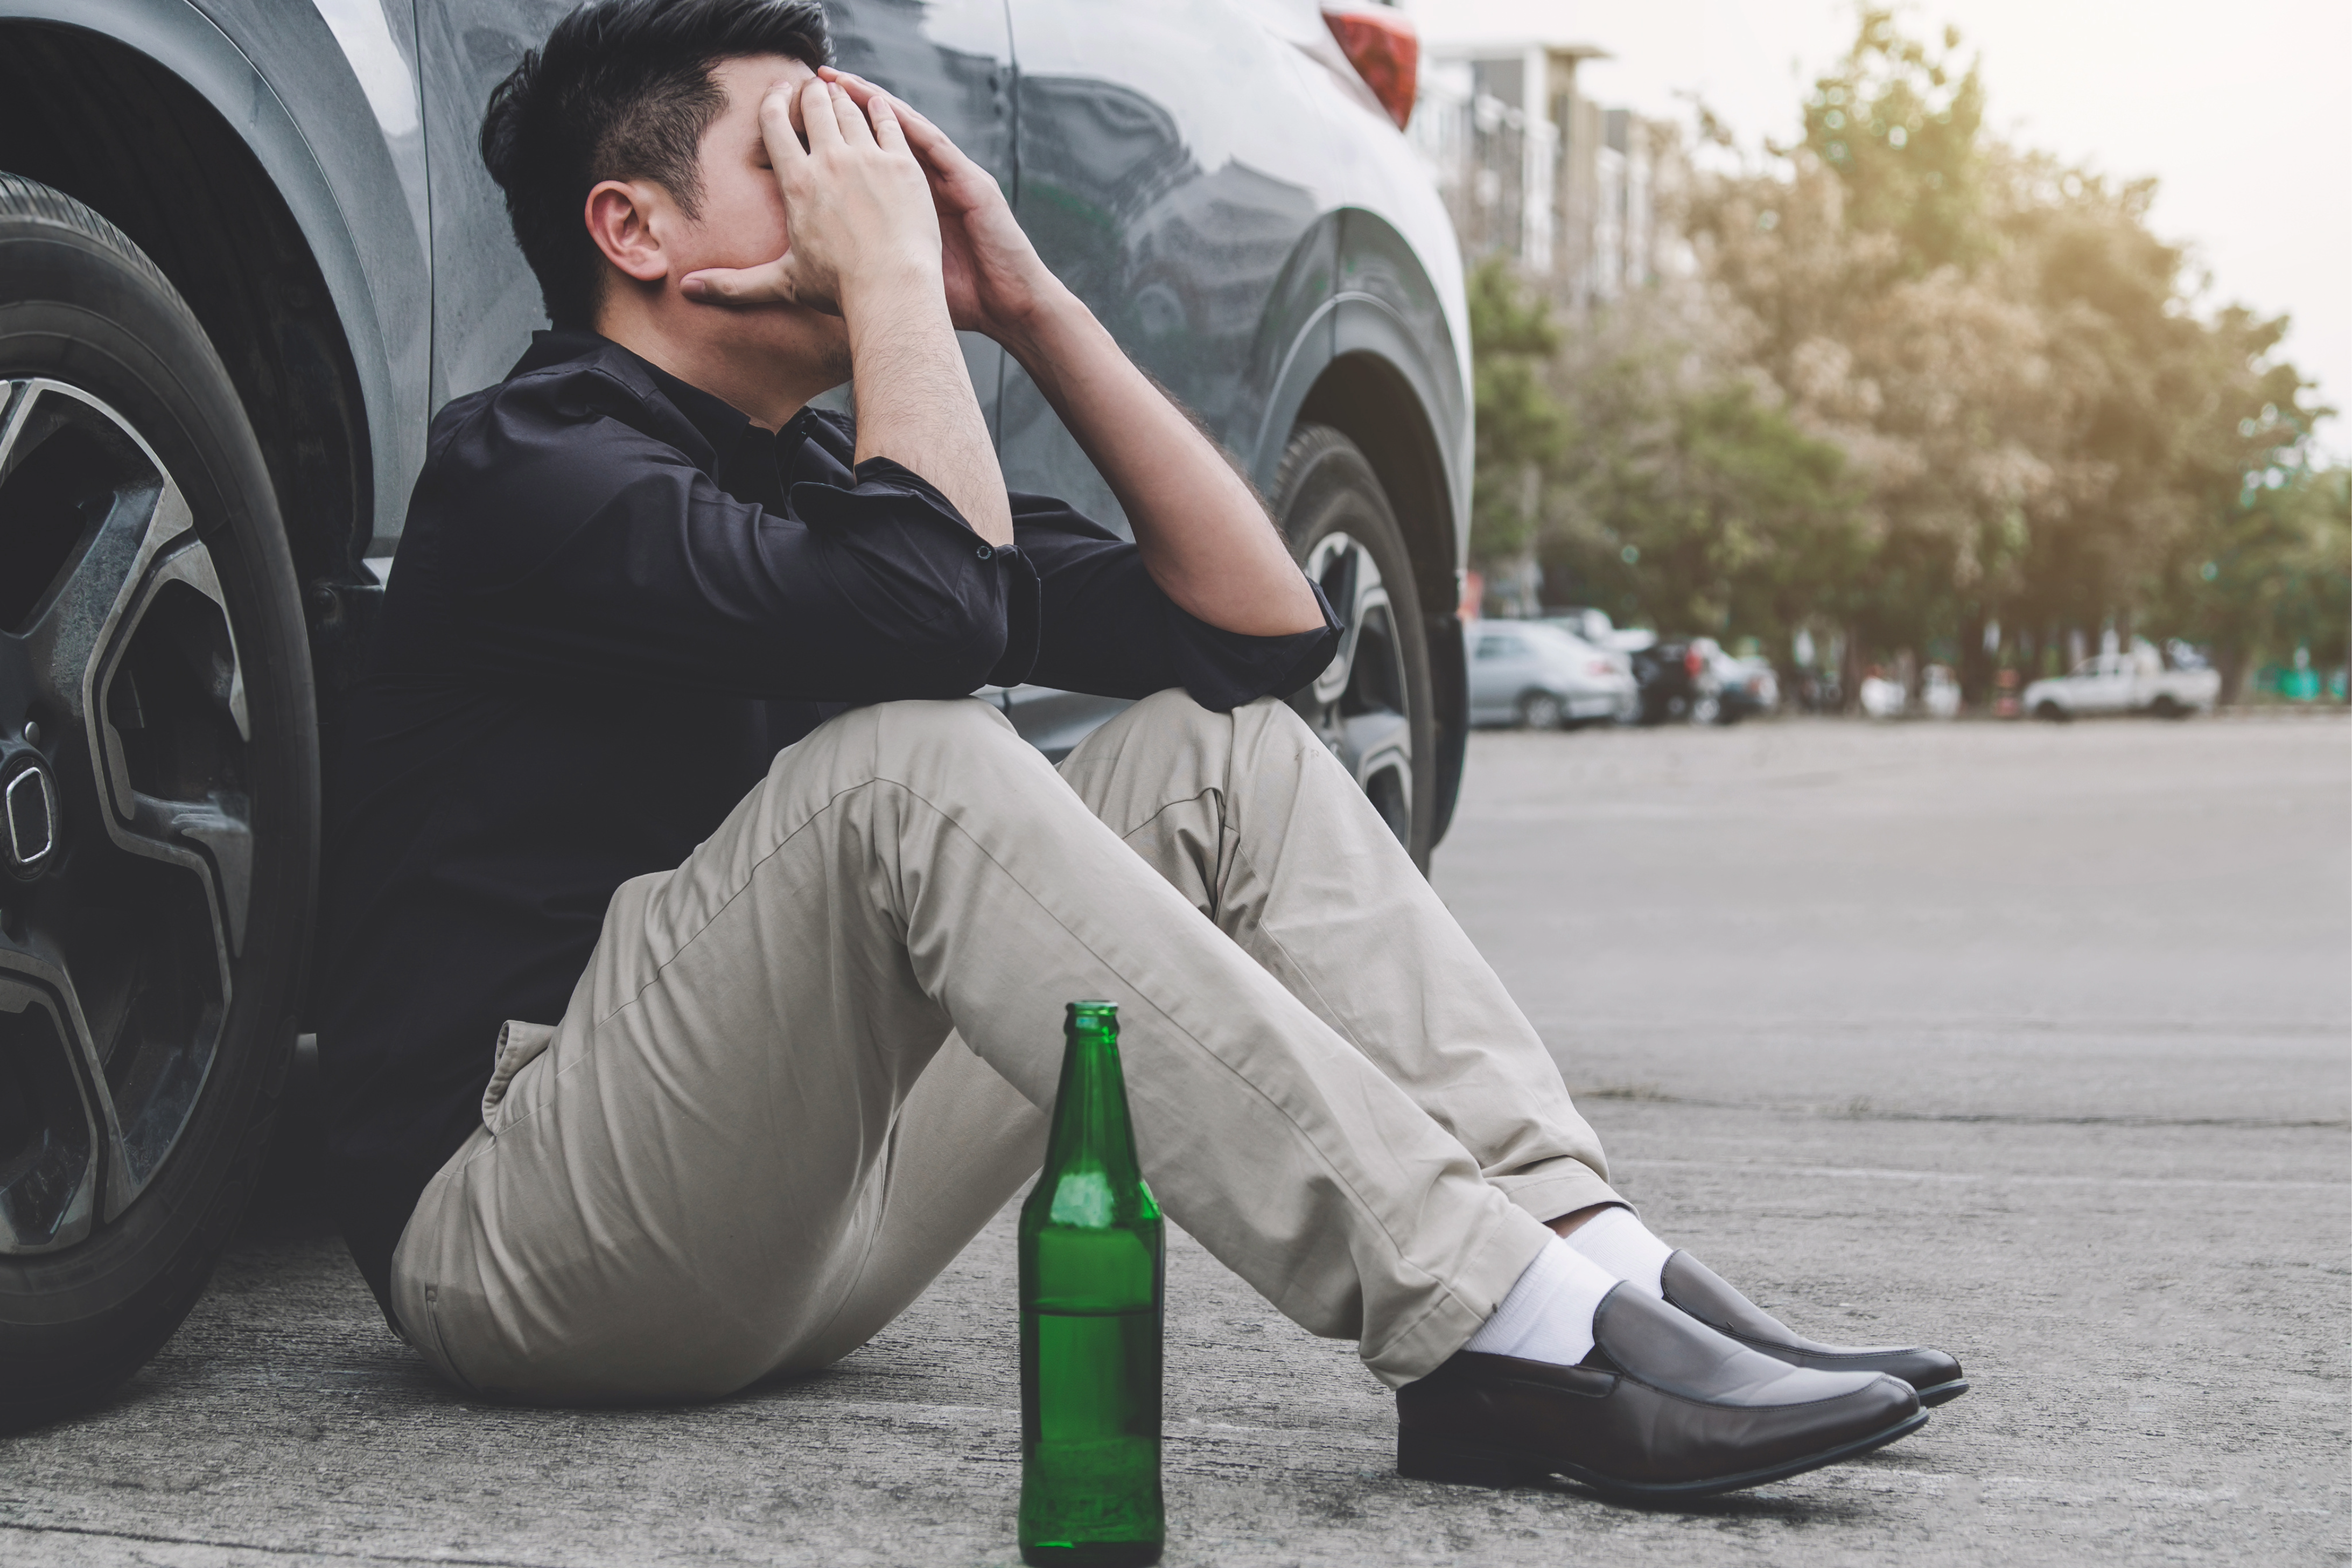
1623, 1246
1548, 1316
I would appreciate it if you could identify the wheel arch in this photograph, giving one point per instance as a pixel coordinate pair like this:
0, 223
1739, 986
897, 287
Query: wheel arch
1375, 359
178, 141
1357, 337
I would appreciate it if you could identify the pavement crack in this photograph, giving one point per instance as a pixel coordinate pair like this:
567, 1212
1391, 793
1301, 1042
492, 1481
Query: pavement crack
1862, 1109
155, 1540
1881, 1174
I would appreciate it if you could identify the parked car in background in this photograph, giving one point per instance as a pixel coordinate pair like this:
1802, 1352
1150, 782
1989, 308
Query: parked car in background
1881, 695
247, 247
1534, 674
2132, 682
1939, 692
1818, 691
1595, 627
1677, 681
1744, 688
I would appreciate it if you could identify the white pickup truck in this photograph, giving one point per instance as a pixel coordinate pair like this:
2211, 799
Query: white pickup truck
2122, 683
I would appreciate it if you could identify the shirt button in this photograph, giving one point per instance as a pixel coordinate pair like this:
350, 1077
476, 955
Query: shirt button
986, 552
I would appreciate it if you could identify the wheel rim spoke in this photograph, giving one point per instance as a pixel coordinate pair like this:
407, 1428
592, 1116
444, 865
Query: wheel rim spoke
92, 508
1358, 705
117, 957
1347, 571
179, 797
60, 1143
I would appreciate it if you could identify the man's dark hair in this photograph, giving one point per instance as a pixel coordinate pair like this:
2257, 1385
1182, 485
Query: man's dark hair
621, 90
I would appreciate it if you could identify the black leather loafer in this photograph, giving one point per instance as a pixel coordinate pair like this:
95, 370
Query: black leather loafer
1665, 1407
1704, 1295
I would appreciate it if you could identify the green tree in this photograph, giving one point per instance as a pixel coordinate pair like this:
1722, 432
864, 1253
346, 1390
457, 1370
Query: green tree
1521, 428
2163, 411
1919, 385
1897, 121
1703, 509
2272, 576
2042, 418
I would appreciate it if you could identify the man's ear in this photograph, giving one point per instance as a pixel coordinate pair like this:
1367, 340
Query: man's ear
621, 221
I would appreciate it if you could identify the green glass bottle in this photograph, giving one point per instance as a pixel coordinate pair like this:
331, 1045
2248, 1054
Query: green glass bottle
1093, 1264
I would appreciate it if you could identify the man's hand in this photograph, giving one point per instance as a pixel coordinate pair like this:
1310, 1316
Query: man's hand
863, 242
856, 205
995, 281
1205, 539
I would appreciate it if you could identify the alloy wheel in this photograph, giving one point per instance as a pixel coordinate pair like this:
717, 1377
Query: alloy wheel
1358, 705
128, 838
1541, 710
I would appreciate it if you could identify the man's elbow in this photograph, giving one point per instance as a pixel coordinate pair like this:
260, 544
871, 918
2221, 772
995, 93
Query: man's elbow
957, 653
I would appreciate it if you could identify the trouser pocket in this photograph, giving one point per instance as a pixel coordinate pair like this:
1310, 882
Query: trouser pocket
520, 1044
427, 1337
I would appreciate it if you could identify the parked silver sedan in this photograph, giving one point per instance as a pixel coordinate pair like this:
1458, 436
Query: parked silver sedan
1543, 678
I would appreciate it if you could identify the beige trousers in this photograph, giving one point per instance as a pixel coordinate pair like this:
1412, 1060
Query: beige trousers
753, 1139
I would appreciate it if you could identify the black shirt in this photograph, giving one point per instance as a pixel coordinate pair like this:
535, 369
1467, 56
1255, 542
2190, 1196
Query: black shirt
615, 600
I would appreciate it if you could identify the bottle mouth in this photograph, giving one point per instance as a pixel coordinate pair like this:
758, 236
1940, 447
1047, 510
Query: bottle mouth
1094, 1014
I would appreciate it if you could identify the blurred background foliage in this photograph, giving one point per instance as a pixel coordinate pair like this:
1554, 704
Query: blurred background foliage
1920, 395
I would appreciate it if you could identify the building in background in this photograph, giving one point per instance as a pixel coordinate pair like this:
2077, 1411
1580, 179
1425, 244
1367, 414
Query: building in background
1533, 169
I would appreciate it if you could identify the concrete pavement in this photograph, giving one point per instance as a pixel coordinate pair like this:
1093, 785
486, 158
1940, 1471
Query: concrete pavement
2027, 1041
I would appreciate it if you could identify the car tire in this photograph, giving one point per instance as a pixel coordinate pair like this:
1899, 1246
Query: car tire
1706, 709
2165, 707
155, 689
1374, 705
2050, 712
1542, 711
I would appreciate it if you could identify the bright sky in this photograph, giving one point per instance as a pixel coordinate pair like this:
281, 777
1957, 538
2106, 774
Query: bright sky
2238, 110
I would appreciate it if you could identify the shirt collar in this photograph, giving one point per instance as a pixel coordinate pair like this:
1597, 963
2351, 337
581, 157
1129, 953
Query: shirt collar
722, 423
745, 457
718, 421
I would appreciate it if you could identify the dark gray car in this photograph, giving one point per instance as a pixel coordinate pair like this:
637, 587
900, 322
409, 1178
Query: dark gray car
247, 249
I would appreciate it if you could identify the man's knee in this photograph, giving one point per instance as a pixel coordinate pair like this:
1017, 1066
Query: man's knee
1273, 718
920, 737
1174, 711
1174, 708
919, 720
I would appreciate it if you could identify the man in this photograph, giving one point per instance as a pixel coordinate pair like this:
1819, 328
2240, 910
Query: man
699, 945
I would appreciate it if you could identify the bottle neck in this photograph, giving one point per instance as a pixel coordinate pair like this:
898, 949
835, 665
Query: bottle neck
1090, 1124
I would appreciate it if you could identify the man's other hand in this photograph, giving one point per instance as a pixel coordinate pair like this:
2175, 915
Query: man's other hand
995, 281
857, 207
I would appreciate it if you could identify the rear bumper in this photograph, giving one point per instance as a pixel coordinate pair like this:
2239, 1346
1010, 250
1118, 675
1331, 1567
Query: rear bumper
1599, 704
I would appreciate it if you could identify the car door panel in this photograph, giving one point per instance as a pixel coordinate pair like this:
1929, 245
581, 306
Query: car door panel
1488, 656
1170, 215
485, 303
2111, 686
952, 59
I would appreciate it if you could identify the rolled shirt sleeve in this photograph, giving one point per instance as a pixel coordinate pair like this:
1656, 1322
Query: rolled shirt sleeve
865, 587
581, 539
1109, 629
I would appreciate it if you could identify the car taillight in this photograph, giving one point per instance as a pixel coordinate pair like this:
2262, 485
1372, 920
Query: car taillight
1386, 52
1694, 661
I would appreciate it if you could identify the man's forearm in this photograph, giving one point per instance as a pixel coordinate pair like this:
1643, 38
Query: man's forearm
915, 402
1204, 537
